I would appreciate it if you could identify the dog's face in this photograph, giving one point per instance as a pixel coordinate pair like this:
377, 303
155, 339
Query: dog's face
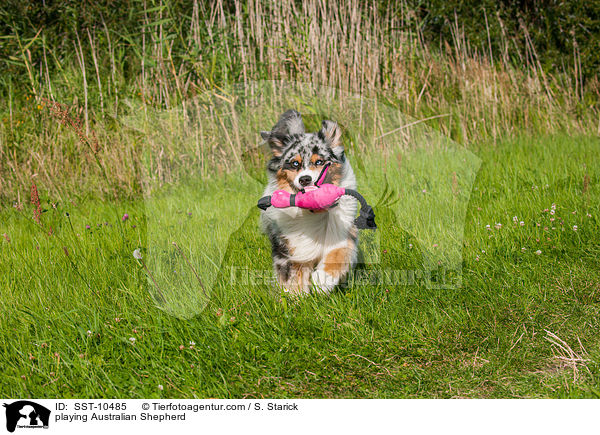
299, 157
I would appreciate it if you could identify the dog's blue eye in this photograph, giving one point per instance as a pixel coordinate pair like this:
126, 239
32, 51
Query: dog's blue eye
295, 164
319, 162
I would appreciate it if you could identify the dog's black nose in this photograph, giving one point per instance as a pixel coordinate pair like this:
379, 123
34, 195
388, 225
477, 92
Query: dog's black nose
305, 180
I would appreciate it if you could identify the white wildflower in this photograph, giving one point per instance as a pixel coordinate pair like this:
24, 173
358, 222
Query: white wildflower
137, 254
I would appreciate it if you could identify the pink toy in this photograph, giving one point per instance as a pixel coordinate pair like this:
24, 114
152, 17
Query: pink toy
320, 197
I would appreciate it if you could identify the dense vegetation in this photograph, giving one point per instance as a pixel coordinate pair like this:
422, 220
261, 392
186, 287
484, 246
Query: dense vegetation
561, 35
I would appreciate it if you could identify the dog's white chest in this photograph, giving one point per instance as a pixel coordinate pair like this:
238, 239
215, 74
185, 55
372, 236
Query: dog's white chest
309, 235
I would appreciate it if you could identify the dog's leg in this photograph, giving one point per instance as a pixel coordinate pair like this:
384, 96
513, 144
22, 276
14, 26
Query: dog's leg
334, 267
294, 278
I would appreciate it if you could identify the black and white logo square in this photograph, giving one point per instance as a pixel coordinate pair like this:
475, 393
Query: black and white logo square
25, 414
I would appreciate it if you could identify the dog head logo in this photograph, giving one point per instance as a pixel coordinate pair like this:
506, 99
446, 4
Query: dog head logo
26, 414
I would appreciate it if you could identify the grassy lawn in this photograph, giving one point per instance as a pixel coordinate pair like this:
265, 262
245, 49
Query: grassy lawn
80, 315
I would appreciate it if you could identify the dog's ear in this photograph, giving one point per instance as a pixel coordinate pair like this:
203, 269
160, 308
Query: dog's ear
265, 135
275, 142
332, 134
289, 123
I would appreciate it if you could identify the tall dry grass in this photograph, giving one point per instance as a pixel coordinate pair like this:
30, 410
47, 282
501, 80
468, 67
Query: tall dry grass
473, 95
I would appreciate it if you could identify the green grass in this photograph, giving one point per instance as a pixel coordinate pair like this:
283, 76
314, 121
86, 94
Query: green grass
488, 338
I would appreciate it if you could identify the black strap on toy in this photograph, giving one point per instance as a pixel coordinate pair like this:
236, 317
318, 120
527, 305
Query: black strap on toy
321, 177
366, 217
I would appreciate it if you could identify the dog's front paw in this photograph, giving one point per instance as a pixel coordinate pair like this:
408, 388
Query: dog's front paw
295, 292
322, 282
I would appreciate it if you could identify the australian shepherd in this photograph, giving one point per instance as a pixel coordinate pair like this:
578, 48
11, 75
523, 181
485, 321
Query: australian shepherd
312, 251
